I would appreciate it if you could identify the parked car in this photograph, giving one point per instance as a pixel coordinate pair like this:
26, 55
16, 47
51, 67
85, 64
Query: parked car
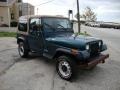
54, 38
110, 25
92, 24
96, 25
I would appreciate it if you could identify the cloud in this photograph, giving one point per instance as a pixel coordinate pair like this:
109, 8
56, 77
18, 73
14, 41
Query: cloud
106, 10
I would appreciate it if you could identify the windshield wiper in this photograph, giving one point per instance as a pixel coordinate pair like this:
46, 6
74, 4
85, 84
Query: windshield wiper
62, 27
50, 26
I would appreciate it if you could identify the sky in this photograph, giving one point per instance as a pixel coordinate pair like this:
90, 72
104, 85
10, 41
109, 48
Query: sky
106, 10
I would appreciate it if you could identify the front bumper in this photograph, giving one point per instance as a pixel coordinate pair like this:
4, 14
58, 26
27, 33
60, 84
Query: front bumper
94, 61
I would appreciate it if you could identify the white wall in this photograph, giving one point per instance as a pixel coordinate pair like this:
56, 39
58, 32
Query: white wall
7, 29
4, 14
75, 27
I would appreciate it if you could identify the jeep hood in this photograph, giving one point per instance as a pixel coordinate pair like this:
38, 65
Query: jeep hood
76, 42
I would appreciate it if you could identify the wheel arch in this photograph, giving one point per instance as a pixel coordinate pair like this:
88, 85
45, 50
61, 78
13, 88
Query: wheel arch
20, 39
61, 52
26, 45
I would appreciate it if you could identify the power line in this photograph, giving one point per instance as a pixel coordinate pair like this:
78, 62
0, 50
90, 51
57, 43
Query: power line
45, 2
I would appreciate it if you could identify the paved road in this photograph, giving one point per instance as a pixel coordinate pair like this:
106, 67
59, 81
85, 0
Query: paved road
37, 73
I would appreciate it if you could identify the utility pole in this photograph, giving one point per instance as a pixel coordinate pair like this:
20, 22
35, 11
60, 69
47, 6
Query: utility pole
78, 16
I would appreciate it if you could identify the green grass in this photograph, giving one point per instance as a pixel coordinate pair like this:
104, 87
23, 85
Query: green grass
85, 33
13, 34
7, 34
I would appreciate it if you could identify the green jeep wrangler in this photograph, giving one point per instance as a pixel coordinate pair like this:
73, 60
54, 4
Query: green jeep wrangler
53, 37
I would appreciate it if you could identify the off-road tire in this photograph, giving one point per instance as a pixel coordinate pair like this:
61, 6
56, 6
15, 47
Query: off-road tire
70, 63
22, 51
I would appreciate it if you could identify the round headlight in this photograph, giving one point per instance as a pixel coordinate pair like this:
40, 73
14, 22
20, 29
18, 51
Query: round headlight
87, 47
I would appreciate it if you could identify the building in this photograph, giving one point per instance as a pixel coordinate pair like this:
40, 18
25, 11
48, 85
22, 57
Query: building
11, 10
27, 9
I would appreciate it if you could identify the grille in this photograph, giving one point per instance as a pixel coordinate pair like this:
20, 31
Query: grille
94, 48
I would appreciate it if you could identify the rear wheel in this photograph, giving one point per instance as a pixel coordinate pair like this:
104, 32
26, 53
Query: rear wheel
65, 67
22, 51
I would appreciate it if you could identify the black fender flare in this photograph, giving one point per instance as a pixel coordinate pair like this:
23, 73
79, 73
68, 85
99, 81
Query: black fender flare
62, 51
22, 39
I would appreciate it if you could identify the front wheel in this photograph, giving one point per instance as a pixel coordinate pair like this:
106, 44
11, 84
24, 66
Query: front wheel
22, 51
65, 67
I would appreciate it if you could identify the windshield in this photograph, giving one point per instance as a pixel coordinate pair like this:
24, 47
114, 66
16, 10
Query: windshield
56, 23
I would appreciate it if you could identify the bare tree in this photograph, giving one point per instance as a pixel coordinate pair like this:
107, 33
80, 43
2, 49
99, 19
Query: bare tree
89, 15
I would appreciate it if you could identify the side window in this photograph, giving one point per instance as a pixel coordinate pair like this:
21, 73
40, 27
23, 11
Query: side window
22, 26
34, 24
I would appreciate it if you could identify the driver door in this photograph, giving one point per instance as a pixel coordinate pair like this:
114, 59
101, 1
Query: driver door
35, 35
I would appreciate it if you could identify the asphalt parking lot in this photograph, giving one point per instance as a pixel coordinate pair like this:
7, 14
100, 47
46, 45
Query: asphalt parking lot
38, 73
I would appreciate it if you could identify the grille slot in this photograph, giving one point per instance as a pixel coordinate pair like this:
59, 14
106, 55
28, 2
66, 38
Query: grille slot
94, 48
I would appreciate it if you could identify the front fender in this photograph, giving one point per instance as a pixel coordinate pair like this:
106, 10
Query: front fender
65, 50
61, 51
80, 55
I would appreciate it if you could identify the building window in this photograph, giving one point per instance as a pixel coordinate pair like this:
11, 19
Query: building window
19, 1
12, 15
3, 0
20, 13
20, 10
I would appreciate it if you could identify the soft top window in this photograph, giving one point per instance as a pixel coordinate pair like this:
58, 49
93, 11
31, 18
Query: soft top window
22, 26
